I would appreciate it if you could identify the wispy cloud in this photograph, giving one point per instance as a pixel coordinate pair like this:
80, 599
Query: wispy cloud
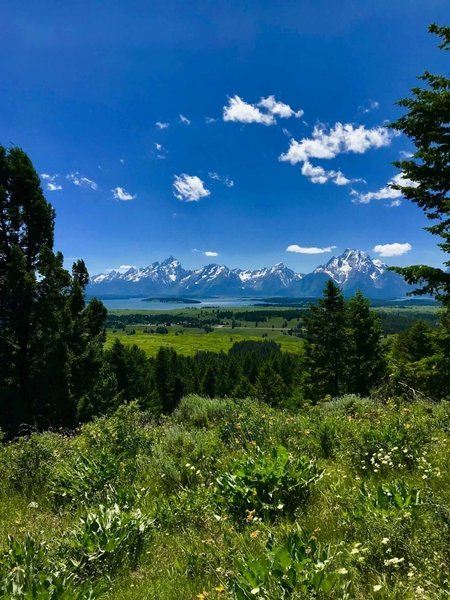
183, 120
161, 152
53, 187
162, 124
309, 249
368, 106
264, 112
121, 269
189, 188
395, 249
210, 253
81, 181
225, 180
386, 192
120, 193
209, 120
51, 183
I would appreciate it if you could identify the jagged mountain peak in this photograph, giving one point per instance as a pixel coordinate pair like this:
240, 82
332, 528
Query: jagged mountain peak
353, 269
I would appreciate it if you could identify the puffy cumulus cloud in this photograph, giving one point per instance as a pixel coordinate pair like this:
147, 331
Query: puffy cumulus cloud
317, 174
81, 181
189, 188
264, 112
309, 249
387, 192
120, 193
162, 124
395, 249
183, 120
210, 253
225, 180
342, 138
279, 109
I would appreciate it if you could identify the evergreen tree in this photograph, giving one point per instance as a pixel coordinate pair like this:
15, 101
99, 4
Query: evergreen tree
44, 325
327, 344
427, 173
366, 359
270, 387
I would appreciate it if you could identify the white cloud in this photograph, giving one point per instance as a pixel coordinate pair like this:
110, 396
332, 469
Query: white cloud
225, 180
189, 188
243, 112
286, 132
240, 111
320, 175
386, 192
342, 138
162, 124
120, 193
209, 120
368, 106
53, 187
161, 152
395, 249
80, 181
406, 154
210, 253
279, 108
309, 249
121, 269
184, 120
159, 147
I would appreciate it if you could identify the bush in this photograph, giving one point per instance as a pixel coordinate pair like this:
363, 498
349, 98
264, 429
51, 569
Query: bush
107, 539
27, 463
298, 567
28, 570
267, 485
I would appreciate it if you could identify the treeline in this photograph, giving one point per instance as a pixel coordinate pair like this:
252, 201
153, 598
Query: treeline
200, 318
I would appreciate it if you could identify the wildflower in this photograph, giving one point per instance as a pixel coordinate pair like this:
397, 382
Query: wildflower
254, 534
377, 588
219, 589
393, 561
385, 540
254, 591
342, 571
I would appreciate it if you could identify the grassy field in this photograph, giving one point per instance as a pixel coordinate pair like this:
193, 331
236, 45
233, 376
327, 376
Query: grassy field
193, 340
232, 500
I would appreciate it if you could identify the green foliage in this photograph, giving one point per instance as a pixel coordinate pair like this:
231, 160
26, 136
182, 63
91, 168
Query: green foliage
427, 173
26, 464
267, 485
27, 571
299, 566
108, 539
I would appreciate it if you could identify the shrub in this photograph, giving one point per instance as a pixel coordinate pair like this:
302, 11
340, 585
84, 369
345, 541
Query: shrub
204, 412
267, 485
28, 570
107, 539
299, 567
27, 463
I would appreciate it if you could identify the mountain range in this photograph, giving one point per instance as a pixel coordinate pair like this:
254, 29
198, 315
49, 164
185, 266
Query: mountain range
352, 270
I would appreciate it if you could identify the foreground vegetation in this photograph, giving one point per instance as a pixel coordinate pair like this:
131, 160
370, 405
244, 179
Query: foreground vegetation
232, 499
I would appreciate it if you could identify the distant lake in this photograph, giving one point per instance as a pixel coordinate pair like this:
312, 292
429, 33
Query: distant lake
138, 303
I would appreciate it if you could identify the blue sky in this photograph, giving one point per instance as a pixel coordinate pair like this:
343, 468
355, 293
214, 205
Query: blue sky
236, 128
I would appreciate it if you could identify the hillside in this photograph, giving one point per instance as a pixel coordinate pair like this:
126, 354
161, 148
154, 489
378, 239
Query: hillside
232, 500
